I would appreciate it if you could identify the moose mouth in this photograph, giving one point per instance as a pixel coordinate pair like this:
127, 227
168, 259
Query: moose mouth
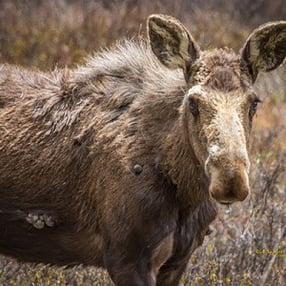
226, 203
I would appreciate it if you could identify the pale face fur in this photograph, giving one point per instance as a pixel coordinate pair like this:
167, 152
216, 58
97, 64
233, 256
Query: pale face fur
220, 134
222, 104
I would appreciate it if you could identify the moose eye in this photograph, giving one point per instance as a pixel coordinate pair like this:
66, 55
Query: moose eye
193, 106
253, 107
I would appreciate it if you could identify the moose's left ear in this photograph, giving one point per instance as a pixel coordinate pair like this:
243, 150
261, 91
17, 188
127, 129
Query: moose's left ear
171, 42
265, 48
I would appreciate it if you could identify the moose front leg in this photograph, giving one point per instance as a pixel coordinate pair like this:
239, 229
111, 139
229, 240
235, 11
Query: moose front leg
170, 275
138, 265
171, 272
123, 272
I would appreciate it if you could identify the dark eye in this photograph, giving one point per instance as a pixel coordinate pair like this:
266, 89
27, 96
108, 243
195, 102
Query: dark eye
193, 105
253, 107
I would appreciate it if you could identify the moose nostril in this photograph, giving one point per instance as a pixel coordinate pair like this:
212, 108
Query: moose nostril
227, 199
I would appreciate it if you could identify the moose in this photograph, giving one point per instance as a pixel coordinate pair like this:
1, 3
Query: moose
121, 162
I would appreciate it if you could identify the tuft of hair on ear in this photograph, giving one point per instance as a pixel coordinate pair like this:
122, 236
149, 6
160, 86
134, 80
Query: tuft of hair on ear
265, 48
171, 42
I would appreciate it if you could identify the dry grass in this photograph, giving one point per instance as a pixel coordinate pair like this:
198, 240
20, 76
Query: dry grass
248, 245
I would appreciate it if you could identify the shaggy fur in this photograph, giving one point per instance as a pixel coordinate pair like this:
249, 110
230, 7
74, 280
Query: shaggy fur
71, 139
69, 142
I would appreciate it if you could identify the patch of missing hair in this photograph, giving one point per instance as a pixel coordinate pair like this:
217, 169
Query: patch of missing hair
219, 69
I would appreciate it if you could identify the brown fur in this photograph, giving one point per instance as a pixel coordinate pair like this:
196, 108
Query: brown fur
69, 142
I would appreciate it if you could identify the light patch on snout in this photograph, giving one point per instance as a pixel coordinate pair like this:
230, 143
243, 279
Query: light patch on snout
213, 151
196, 89
226, 135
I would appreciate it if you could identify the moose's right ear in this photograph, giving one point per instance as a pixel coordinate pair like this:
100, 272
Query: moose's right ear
265, 48
172, 43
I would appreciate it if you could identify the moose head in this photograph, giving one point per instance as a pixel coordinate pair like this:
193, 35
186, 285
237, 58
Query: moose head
220, 102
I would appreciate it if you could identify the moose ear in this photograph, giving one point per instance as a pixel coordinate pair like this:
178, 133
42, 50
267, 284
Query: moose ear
265, 48
172, 43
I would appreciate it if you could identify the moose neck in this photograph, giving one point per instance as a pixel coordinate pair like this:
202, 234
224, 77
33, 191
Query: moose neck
180, 164
165, 130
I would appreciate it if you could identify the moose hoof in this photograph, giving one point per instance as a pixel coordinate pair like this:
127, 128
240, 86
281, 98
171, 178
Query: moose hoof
39, 220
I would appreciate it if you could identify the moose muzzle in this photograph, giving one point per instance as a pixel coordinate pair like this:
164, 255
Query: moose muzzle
229, 182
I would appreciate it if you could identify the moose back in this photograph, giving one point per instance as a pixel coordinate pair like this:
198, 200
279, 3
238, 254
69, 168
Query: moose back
119, 163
